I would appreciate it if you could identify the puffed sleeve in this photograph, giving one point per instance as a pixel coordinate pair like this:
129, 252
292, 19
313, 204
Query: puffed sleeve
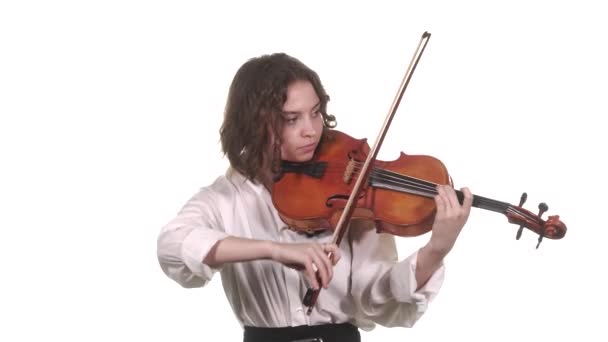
384, 288
184, 242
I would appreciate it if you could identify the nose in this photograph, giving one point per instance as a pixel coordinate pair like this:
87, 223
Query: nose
308, 130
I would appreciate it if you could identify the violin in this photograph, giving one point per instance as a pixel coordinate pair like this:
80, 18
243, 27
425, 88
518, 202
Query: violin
344, 180
398, 195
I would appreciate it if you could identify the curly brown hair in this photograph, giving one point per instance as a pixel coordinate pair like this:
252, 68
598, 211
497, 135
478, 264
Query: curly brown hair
251, 131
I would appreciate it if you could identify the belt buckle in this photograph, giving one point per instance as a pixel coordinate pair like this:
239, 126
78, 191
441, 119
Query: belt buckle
316, 339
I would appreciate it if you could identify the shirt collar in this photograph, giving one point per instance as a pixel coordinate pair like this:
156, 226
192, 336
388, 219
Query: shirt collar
238, 179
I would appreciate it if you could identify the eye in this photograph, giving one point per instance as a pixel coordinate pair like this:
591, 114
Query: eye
291, 121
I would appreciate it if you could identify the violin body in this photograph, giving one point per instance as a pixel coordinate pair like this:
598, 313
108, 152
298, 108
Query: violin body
315, 202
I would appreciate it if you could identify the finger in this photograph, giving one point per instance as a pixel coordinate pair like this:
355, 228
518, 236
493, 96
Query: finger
317, 261
311, 275
333, 251
328, 257
450, 196
325, 262
335, 257
468, 200
322, 269
468, 196
319, 264
440, 203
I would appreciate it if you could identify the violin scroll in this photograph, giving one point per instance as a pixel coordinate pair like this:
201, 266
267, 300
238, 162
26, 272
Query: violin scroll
552, 228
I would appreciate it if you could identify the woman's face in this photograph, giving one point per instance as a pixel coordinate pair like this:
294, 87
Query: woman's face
303, 122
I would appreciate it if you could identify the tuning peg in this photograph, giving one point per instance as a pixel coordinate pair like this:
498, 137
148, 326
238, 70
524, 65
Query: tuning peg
522, 200
542, 208
519, 231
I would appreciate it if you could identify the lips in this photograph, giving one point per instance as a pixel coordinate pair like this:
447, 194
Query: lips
308, 148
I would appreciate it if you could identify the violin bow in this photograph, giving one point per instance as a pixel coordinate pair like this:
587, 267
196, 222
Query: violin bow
310, 298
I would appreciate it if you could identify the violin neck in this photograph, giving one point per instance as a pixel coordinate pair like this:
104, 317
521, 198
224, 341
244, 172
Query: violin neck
392, 181
485, 203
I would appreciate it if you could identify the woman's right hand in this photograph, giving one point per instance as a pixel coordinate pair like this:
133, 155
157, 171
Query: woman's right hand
308, 258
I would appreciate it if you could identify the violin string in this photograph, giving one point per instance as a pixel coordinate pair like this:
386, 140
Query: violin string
418, 186
422, 187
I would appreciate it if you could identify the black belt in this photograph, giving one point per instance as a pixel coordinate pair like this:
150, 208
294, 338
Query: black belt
343, 332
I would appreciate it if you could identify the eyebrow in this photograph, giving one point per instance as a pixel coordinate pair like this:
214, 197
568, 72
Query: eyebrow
297, 112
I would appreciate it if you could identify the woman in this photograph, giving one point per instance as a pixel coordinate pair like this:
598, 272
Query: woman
276, 110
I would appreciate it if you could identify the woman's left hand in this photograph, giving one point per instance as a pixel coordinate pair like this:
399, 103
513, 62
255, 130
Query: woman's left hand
449, 219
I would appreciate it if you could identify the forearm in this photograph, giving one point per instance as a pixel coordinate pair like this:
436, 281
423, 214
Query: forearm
235, 249
449, 221
428, 261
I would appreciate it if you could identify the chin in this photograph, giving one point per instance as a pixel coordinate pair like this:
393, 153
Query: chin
300, 159
307, 157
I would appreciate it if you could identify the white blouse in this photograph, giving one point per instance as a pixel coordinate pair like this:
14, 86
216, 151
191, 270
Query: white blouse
369, 286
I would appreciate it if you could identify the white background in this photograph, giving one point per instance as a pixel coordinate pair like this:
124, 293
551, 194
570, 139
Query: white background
109, 123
